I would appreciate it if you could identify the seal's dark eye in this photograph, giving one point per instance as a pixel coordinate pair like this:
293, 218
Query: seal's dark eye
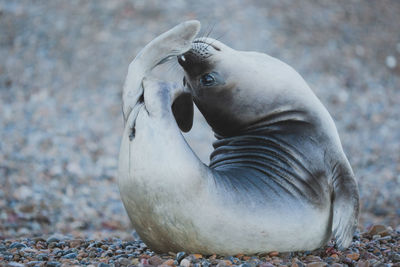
208, 79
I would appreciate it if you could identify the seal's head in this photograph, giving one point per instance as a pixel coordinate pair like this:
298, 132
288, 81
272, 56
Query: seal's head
230, 87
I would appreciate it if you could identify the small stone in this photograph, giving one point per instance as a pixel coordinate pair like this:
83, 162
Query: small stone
353, 256
235, 260
273, 254
276, 261
337, 265
35, 263
17, 245
227, 262
297, 263
362, 264
15, 264
75, 243
267, 264
377, 229
239, 256
395, 257
53, 264
16, 257
391, 62
52, 239
82, 255
38, 238
124, 261
43, 244
316, 264
246, 258
70, 256
180, 255
212, 257
155, 260
198, 256
43, 257
169, 262
387, 238
135, 261
102, 264
312, 258
375, 237
185, 263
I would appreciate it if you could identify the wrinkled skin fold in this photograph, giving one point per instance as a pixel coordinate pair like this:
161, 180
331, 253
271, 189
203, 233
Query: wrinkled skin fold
278, 179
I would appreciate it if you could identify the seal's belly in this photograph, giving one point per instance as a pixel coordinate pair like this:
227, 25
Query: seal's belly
172, 212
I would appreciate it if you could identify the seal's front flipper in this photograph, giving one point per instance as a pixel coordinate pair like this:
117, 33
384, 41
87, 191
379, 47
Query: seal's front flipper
345, 205
167, 45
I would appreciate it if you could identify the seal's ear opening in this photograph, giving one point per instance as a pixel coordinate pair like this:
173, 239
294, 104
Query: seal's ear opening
182, 108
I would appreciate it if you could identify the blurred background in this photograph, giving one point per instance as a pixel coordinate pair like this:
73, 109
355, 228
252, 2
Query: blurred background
62, 67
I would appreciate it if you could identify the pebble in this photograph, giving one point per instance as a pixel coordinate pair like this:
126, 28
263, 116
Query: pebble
17, 245
391, 62
155, 260
169, 262
185, 263
378, 229
180, 255
353, 256
125, 261
316, 264
73, 256
52, 239
273, 254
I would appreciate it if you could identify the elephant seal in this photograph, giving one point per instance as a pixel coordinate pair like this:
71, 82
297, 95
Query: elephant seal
278, 179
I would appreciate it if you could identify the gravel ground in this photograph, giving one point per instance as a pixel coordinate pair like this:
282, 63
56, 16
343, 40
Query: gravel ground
380, 246
61, 72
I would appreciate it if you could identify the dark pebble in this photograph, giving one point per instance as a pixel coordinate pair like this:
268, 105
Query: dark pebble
122, 256
17, 245
15, 264
130, 247
43, 257
124, 261
205, 263
2, 248
395, 257
52, 239
35, 263
70, 256
180, 255
53, 264
69, 251
102, 264
37, 239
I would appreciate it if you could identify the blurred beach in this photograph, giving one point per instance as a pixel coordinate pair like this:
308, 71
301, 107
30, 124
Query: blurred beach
63, 64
